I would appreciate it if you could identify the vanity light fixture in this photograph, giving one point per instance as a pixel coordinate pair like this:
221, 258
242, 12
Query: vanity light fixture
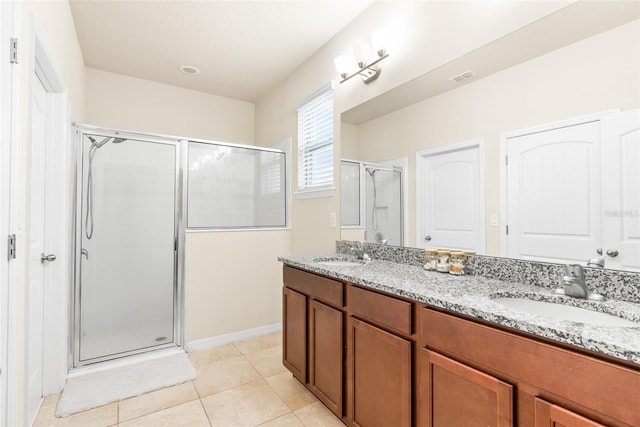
349, 66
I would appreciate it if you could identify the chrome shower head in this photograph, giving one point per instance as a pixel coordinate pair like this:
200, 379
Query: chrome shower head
98, 144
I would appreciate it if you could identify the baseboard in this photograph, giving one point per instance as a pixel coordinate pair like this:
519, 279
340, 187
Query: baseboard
233, 337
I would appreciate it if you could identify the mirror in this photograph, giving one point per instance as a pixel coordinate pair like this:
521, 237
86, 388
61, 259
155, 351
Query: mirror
595, 73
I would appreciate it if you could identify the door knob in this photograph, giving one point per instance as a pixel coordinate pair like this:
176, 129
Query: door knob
50, 257
427, 238
612, 252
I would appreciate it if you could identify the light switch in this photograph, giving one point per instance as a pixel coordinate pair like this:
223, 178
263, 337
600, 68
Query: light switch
494, 220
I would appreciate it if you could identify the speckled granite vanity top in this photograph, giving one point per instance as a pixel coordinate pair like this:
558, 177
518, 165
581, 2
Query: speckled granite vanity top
472, 295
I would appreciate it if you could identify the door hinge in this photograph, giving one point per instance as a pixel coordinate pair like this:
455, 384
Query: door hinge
11, 246
506, 160
507, 229
13, 51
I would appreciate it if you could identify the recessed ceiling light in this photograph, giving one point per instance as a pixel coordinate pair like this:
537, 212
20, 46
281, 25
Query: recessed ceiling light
189, 69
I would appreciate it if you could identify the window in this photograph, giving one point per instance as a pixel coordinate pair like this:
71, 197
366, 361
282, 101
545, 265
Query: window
315, 144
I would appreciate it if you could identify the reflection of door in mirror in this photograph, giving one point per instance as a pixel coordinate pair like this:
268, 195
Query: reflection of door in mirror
564, 203
451, 197
621, 198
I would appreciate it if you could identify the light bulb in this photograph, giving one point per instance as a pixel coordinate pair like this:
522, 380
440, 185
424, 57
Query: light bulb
381, 39
361, 52
344, 65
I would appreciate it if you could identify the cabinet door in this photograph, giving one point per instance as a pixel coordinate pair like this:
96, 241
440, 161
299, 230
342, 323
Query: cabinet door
550, 415
452, 394
294, 340
381, 383
326, 355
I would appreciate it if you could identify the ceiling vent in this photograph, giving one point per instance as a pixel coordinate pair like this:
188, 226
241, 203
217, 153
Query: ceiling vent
462, 76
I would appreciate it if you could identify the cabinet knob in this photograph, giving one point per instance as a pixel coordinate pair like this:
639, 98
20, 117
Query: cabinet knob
612, 252
427, 238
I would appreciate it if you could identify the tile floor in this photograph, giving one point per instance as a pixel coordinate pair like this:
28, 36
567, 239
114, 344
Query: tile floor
239, 384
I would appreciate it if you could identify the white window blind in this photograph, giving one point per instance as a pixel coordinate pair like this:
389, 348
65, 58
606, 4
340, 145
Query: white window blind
315, 142
271, 168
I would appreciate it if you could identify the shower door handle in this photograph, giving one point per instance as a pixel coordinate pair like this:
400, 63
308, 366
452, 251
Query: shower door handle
50, 257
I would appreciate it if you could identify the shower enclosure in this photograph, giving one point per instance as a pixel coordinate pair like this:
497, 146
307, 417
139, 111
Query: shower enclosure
128, 214
372, 197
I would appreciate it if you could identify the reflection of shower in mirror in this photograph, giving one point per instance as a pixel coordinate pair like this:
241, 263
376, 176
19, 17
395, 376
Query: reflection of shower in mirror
373, 201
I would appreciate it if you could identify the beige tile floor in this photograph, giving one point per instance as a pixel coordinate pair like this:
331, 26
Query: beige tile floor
239, 384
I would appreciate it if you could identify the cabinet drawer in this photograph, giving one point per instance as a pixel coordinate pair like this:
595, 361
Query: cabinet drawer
380, 309
317, 287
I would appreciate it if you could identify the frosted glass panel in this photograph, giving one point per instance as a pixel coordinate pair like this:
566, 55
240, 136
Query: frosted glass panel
350, 190
127, 267
231, 187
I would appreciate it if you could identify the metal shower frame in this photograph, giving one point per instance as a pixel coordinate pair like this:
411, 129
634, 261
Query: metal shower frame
179, 143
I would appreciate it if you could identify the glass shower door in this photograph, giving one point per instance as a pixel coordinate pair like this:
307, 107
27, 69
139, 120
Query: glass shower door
383, 206
126, 295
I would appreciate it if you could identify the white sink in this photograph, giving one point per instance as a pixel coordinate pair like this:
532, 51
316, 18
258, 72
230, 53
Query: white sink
565, 312
340, 263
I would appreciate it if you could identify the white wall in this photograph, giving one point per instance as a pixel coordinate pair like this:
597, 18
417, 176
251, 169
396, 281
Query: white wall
234, 281
117, 101
591, 76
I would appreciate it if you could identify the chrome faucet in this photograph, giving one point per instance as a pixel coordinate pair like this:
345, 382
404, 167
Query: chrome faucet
380, 239
574, 284
359, 251
573, 281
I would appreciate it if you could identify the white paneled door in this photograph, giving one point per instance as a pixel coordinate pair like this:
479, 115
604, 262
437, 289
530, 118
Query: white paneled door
553, 188
450, 187
621, 198
574, 191
38, 269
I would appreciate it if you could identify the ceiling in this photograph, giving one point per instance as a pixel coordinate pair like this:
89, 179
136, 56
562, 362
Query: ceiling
242, 48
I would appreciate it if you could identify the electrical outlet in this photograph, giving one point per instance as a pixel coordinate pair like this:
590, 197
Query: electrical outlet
333, 220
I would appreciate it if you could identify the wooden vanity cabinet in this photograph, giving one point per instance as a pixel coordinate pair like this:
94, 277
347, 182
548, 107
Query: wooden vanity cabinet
551, 385
380, 368
313, 331
379, 360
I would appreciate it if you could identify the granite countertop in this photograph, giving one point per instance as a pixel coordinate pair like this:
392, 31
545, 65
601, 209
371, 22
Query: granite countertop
472, 296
